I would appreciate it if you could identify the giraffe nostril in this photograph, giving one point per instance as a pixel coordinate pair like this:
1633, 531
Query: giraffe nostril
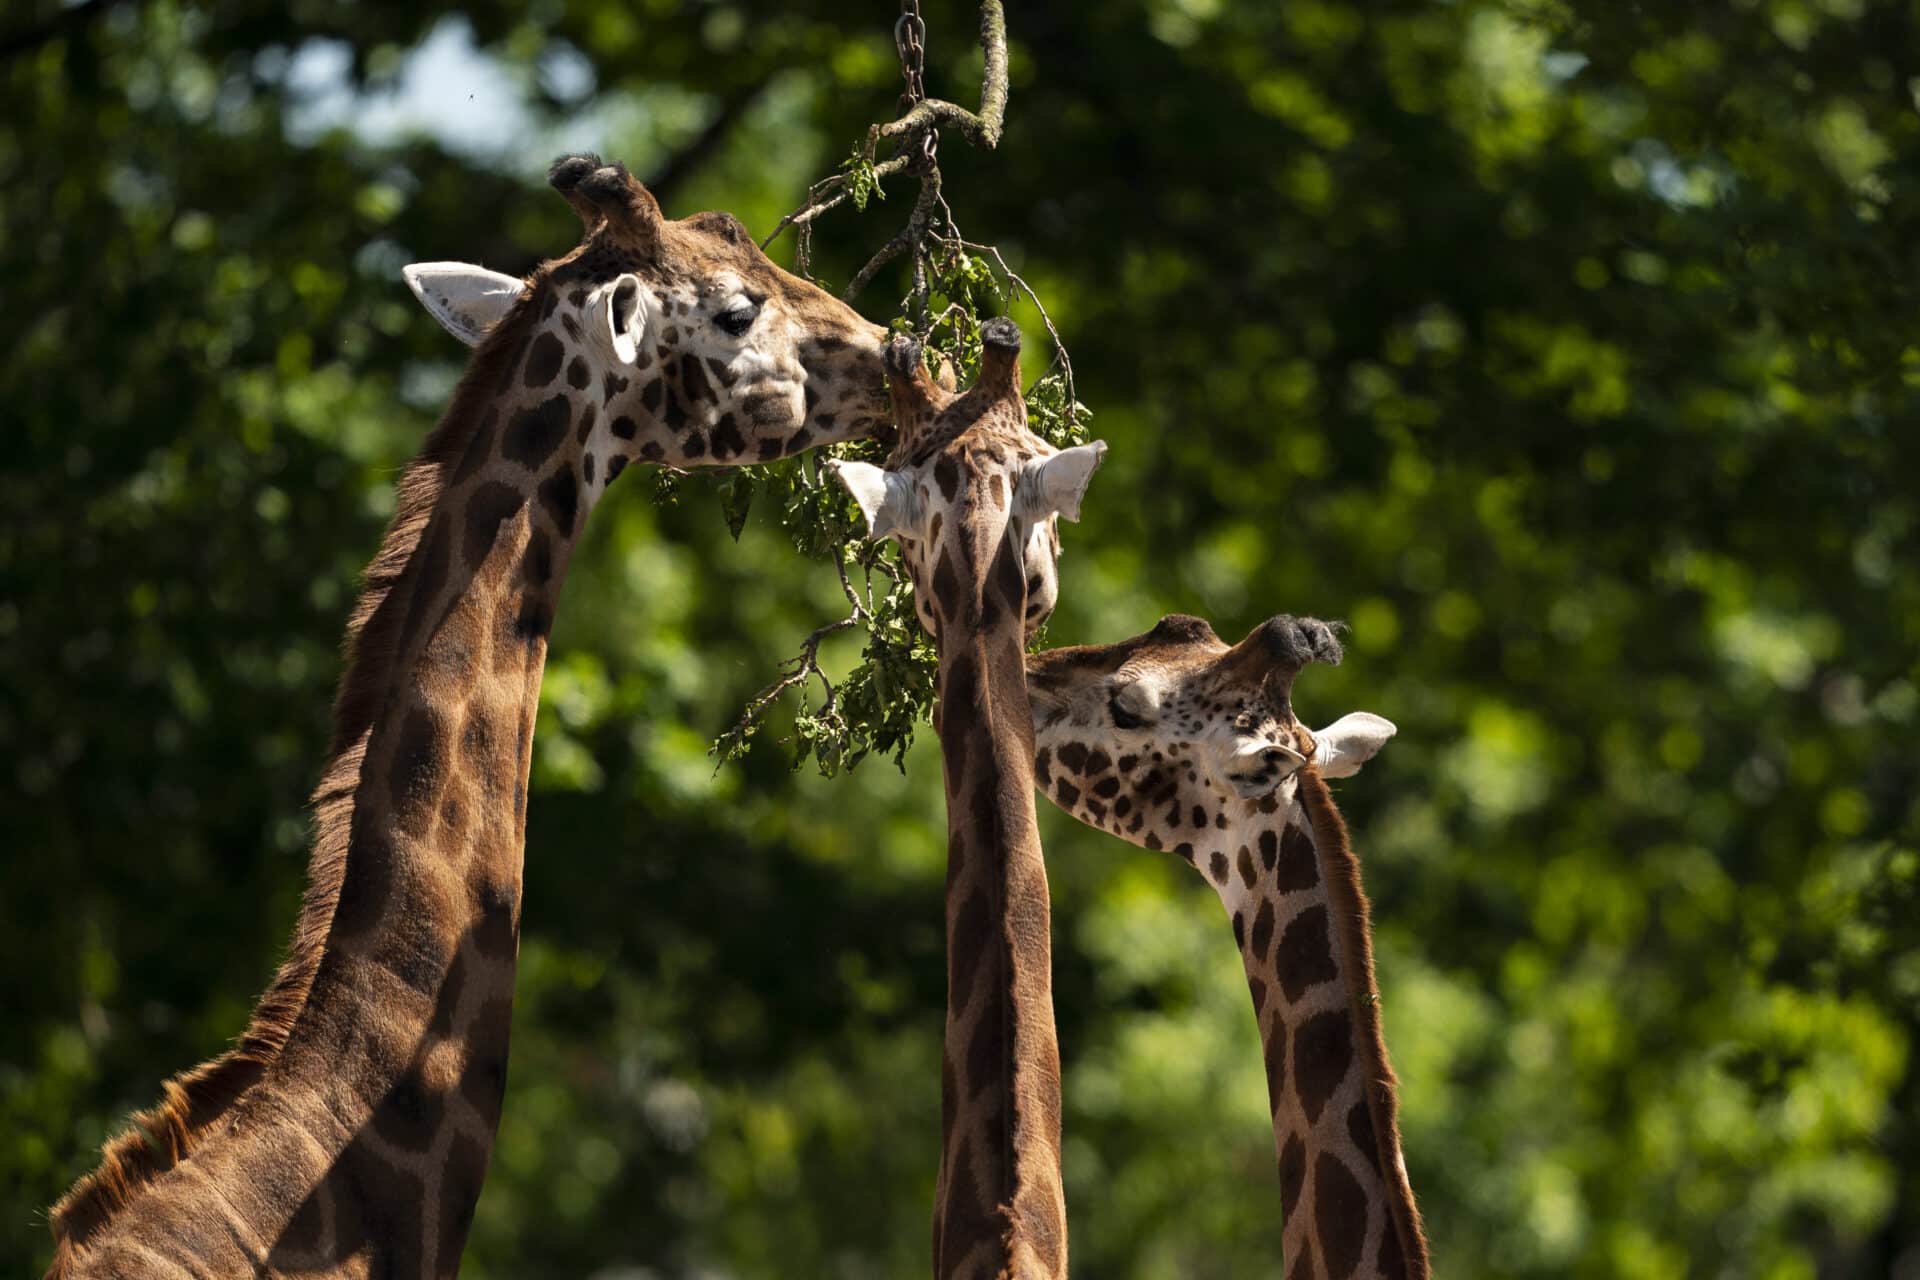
1272, 757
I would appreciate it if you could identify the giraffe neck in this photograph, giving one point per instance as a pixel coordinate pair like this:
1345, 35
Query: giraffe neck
1000, 1208
1289, 880
363, 1127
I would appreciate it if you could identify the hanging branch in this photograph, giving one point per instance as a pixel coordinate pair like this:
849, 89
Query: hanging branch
911, 132
878, 704
911, 236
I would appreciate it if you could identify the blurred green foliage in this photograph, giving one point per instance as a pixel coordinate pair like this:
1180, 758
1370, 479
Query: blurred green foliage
1563, 348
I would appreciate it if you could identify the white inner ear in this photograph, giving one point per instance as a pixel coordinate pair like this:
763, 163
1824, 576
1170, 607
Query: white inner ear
1293, 759
1056, 484
465, 299
1350, 742
626, 316
886, 498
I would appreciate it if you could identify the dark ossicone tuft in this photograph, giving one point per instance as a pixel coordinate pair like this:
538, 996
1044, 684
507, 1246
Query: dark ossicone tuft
566, 172
1181, 628
1295, 642
1002, 333
902, 356
606, 184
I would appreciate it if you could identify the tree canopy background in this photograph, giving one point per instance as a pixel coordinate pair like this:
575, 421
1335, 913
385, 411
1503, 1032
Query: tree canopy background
1564, 349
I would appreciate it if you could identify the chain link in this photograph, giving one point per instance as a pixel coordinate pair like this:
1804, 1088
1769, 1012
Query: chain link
909, 40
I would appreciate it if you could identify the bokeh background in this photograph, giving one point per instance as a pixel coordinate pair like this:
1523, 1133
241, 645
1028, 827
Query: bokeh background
1565, 349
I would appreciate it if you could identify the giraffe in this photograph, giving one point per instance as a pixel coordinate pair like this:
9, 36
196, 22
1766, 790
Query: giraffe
972, 496
1175, 741
348, 1131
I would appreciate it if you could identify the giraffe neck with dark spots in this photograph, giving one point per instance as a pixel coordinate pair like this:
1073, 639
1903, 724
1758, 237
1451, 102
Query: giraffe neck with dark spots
369, 1133
1291, 885
1000, 1208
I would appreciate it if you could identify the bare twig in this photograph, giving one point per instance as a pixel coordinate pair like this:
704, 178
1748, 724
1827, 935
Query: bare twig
912, 236
861, 610
927, 117
831, 192
885, 254
795, 671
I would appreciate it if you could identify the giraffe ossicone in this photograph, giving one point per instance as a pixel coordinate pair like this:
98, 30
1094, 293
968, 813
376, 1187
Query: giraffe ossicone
348, 1132
1175, 740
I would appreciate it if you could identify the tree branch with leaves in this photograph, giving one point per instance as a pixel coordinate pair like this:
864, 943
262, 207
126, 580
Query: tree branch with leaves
955, 284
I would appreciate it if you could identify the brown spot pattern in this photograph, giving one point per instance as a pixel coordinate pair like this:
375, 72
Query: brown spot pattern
491, 503
1322, 1056
1298, 869
970, 929
1305, 958
478, 450
461, 1176
534, 433
1263, 929
419, 765
1293, 1172
543, 360
560, 495
1360, 1129
1339, 1216
1274, 1051
410, 1115
727, 440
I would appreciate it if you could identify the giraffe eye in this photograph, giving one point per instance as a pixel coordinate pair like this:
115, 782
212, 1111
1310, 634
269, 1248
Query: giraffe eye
737, 319
1123, 718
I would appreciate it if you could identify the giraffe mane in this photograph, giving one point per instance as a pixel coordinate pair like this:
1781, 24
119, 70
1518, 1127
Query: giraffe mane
1347, 902
160, 1137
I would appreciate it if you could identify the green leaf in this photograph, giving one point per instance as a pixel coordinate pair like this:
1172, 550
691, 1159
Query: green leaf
736, 499
862, 182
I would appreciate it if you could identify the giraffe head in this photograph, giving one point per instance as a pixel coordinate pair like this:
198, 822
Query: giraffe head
1164, 737
967, 475
1175, 740
677, 341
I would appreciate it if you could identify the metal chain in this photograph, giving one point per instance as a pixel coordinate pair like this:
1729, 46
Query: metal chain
909, 40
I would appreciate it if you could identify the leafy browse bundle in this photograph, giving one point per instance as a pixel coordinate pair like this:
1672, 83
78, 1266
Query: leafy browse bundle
876, 706
955, 285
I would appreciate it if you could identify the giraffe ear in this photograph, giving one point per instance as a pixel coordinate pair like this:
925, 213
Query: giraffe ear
1056, 484
465, 299
1349, 742
626, 316
886, 498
